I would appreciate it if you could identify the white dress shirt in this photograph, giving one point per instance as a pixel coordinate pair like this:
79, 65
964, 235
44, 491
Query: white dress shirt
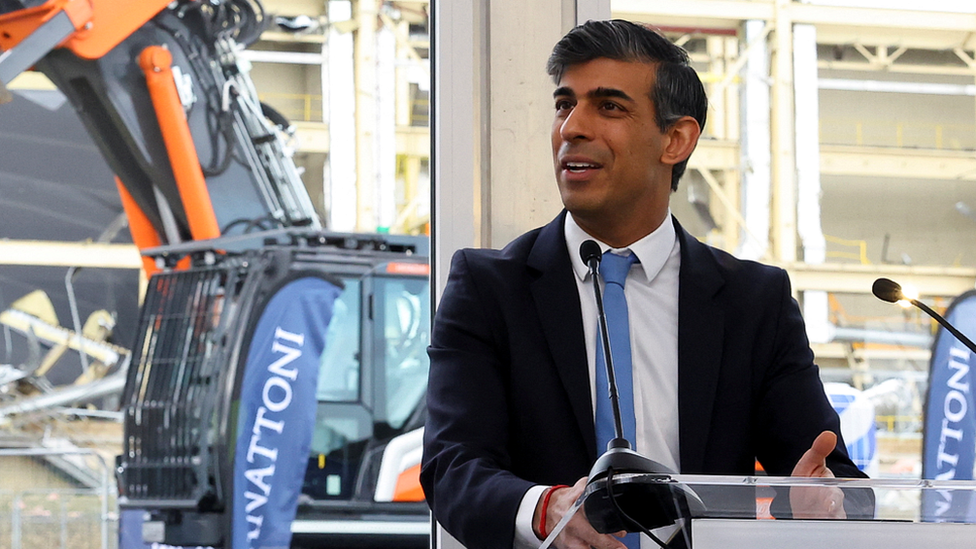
652, 303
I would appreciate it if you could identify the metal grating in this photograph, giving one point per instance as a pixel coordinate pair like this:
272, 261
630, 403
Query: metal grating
173, 386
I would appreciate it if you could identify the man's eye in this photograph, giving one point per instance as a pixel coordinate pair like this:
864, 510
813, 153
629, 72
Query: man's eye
610, 107
563, 105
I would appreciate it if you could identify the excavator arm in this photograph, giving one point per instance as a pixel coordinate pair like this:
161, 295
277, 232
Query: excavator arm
160, 87
89, 28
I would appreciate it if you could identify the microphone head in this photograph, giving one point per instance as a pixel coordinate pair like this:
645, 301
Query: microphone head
887, 290
589, 249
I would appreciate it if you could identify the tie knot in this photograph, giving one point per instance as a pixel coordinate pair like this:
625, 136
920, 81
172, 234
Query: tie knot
614, 268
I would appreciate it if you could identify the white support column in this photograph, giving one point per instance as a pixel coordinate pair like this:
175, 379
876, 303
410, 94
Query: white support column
364, 55
342, 150
754, 238
806, 93
454, 132
783, 157
492, 159
723, 124
323, 106
385, 143
522, 193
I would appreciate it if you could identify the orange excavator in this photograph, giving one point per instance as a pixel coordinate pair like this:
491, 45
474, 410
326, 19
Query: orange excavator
170, 106
223, 220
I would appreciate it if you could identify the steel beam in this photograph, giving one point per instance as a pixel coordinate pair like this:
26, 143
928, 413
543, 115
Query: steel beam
413, 141
703, 14
835, 24
896, 162
312, 8
901, 68
272, 36
313, 137
713, 154
841, 350
285, 57
69, 254
857, 279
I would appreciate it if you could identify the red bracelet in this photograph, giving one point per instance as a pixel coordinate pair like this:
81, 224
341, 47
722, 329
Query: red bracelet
545, 508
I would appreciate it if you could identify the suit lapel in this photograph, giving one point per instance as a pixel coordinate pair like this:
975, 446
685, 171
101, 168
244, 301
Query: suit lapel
557, 301
701, 324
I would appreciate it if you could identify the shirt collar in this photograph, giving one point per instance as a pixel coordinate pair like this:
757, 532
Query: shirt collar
653, 250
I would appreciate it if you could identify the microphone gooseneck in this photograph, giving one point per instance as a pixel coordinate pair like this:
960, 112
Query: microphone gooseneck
890, 291
591, 255
613, 505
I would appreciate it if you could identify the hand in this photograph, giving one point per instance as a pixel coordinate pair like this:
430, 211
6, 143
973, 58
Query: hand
817, 502
578, 534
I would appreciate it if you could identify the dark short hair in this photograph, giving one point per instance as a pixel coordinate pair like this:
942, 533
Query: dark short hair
677, 89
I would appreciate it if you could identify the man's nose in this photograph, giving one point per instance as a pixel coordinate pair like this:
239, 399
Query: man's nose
576, 126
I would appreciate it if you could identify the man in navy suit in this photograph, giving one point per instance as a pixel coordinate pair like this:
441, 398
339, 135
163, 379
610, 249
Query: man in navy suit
722, 370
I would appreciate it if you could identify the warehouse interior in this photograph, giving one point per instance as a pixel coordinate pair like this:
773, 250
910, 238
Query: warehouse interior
839, 146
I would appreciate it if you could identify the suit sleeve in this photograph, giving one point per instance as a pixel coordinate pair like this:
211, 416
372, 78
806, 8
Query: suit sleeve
466, 466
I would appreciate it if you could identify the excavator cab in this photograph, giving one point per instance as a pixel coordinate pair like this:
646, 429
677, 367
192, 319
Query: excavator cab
185, 392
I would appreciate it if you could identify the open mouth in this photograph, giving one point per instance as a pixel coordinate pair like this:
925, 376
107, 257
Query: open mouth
579, 167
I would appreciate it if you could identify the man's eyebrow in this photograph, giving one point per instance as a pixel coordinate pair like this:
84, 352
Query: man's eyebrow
597, 93
609, 92
564, 91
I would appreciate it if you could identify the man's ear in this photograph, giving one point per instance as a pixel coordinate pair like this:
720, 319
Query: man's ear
682, 139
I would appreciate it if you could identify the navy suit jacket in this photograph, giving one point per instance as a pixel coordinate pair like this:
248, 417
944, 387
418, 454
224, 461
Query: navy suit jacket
509, 395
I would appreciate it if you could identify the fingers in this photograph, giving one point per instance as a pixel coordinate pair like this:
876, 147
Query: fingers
835, 509
817, 502
578, 534
813, 463
824, 444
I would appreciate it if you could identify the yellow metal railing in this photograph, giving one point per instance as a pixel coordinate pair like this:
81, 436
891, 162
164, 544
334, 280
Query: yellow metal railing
420, 112
304, 107
860, 255
888, 422
895, 133
297, 107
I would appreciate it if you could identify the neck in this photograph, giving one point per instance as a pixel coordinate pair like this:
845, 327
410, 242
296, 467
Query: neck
622, 234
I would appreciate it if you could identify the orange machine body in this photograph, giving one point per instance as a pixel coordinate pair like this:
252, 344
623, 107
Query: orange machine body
156, 63
100, 25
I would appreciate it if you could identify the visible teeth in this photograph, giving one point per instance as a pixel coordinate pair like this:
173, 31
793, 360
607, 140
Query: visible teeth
578, 165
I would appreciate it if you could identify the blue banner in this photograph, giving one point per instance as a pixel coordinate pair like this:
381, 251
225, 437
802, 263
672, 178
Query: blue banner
130, 529
277, 412
949, 444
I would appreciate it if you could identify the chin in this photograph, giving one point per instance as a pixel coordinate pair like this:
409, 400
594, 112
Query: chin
574, 203
581, 210
578, 197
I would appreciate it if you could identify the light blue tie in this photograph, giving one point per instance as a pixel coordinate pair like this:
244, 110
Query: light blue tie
614, 269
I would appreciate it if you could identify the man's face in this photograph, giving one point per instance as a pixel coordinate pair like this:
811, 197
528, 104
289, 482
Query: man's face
606, 147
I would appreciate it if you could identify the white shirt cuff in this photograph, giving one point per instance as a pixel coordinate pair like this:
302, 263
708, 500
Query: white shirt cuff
524, 535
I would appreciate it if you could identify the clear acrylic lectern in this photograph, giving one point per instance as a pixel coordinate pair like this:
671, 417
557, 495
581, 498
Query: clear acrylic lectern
738, 512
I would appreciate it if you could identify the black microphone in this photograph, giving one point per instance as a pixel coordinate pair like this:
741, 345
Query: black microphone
887, 290
591, 255
648, 502
890, 291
